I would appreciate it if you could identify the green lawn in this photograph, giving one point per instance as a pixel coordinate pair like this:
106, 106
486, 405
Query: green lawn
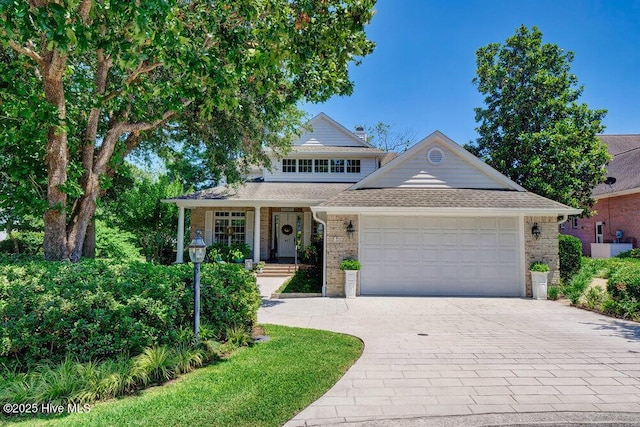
263, 385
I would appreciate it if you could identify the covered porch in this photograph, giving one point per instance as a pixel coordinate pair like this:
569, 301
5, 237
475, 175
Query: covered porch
273, 219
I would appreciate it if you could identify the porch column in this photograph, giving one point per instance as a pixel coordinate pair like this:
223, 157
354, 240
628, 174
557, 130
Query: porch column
256, 235
180, 245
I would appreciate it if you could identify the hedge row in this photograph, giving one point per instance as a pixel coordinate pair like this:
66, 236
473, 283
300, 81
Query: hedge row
98, 309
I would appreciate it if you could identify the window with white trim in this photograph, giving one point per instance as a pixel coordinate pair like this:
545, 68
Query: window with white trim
289, 165
229, 227
353, 166
321, 166
337, 166
305, 165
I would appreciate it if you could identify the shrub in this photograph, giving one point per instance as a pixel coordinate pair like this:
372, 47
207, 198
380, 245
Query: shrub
624, 282
540, 267
553, 292
99, 309
28, 242
350, 264
230, 297
570, 251
111, 242
633, 253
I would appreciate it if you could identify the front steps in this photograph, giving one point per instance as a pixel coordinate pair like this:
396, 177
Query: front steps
278, 270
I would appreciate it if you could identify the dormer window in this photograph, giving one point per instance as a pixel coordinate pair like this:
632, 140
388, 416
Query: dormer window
353, 166
321, 166
305, 165
337, 166
289, 165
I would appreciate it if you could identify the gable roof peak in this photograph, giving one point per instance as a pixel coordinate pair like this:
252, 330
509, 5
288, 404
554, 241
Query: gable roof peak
439, 137
350, 134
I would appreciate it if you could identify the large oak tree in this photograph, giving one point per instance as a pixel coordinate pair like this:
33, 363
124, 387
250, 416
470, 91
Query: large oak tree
532, 127
115, 71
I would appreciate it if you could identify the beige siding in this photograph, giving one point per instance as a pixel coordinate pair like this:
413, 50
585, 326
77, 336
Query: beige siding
325, 133
453, 172
367, 166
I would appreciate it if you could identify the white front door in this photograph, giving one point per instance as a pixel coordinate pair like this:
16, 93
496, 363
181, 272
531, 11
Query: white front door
286, 223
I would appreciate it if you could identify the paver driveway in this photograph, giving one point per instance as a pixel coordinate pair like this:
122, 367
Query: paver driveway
459, 356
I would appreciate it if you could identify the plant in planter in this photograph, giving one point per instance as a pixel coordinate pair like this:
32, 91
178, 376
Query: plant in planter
259, 267
236, 255
215, 255
539, 272
350, 265
350, 268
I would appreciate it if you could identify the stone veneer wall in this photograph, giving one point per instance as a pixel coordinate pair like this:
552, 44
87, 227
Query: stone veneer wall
544, 249
340, 245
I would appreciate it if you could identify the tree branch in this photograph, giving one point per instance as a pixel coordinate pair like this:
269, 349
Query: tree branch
142, 69
29, 52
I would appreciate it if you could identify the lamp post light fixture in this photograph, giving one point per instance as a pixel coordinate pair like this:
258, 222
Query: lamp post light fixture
197, 252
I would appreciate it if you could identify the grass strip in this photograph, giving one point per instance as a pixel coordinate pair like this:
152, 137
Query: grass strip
263, 385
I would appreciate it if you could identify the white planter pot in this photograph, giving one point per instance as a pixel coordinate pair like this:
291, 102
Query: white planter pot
539, 284
350, 283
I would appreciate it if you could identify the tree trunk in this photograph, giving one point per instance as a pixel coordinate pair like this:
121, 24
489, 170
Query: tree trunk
89, 247
83, 215
55, 240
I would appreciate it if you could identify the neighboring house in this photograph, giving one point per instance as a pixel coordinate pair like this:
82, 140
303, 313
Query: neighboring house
617, 202
434, 220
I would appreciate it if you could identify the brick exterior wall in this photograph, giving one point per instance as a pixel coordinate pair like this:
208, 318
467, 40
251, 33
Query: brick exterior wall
340, 245
544, 249
617, 213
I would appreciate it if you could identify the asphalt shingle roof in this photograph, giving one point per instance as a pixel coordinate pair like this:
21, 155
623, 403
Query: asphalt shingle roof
625, 166
269, 191
441, 198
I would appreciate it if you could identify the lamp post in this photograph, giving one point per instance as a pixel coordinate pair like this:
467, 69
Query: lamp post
197, 251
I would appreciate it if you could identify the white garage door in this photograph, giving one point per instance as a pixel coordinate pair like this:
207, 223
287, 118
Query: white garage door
439, 256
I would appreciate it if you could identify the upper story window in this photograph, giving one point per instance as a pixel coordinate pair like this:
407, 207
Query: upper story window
305, 165
289, 165
337, 166
353, 166
321, 166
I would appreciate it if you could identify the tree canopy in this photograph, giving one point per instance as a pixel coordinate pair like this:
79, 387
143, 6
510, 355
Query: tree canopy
105, 77
532, 127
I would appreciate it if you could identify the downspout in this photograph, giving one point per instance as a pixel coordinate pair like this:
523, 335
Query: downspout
563, 219
324, 253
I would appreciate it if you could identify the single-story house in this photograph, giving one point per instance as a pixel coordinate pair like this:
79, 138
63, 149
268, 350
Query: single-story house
435, 220
616, 224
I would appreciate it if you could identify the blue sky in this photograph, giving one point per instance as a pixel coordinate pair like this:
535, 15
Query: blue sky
419, 76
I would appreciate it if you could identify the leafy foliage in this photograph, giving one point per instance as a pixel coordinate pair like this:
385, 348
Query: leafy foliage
532, 128
140, 211
633, 253
98, 309
350, 264
539, 267
100, 79
24, 242
114, 243
570, 252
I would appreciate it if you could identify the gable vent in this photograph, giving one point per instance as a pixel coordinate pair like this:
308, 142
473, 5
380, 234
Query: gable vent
435, 156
